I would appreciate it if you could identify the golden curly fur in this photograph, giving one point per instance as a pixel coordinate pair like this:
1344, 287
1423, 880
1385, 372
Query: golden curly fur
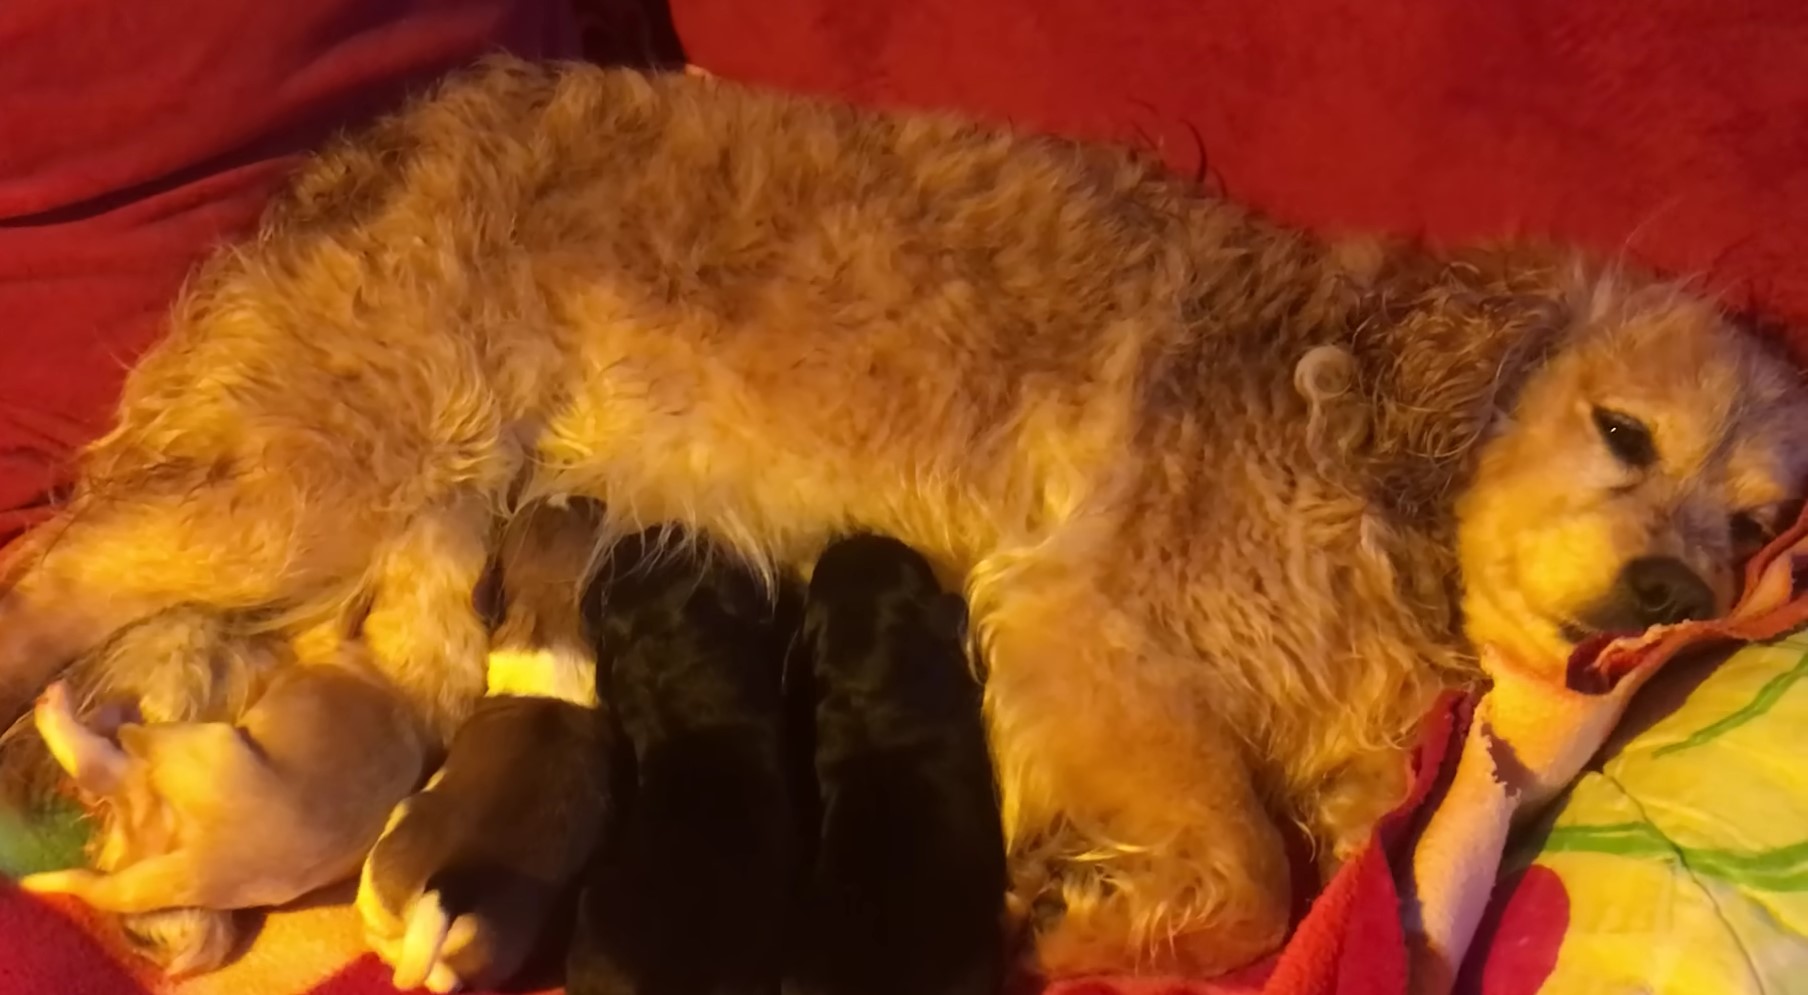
1230, 503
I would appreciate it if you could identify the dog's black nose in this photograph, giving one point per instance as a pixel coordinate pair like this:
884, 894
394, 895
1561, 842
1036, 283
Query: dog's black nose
1662, 590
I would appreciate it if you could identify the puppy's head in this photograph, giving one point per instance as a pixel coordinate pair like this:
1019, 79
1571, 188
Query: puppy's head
1653, 452
864, 566
684, 633
659, 585
882, 627
880, 580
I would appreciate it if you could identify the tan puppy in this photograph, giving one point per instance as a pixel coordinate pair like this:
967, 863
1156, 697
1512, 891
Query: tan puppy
1230, 504
210, 817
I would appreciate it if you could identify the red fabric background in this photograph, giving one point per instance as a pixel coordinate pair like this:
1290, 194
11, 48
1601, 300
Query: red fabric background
1675, 130
134, 136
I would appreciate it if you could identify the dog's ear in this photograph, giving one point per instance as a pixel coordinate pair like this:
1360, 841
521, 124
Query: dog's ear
947, 617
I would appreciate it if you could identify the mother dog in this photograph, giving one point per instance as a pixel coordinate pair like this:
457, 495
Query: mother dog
1230, 504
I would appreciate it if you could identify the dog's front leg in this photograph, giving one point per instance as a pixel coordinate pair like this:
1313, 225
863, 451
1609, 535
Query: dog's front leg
423, 629
1135, 805
1343, 813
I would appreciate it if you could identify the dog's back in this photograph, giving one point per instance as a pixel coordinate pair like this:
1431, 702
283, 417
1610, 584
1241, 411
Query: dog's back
907, 891
688, 892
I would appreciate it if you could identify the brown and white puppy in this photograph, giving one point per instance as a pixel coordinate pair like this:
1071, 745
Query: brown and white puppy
1230, 504
210, 817
468, 873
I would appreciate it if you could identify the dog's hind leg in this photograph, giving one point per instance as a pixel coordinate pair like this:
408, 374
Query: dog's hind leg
113, 558
1163, 855
423, 629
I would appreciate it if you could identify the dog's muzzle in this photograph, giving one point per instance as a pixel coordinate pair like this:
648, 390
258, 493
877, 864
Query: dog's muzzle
1652, 590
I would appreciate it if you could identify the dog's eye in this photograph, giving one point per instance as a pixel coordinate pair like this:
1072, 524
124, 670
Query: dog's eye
1751, 531
1754, 528
1626, 437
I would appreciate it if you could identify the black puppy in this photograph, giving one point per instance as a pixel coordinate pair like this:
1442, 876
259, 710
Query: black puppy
906, 896
687, 894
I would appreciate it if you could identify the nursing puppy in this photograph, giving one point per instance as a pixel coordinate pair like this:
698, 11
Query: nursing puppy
187, 664
1250, 497
468, 873
689, 893
906, 896
204, 817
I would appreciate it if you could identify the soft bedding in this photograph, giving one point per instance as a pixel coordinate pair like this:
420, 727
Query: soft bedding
1681, 866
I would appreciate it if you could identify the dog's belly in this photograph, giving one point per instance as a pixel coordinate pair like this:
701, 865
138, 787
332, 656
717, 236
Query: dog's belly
774, 454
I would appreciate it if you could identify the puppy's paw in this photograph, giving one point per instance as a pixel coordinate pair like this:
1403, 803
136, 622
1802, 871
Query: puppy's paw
417, 957
75, 881
166, 881
385, 889
93, 762
422, 957
405, 925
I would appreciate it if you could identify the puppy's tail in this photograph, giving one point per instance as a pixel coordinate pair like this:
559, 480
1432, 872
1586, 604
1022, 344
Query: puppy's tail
422, 941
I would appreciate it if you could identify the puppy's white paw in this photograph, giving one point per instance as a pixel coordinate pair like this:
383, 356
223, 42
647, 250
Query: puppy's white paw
442, 981
422, 941
415, 939
420, 957
380, 921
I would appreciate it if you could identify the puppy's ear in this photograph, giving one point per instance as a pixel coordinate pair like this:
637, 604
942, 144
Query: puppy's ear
947, 617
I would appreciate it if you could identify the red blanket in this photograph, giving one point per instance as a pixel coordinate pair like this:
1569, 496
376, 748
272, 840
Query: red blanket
135, 135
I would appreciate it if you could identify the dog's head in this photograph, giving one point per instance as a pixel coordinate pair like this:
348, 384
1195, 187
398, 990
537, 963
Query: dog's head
1651, 453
